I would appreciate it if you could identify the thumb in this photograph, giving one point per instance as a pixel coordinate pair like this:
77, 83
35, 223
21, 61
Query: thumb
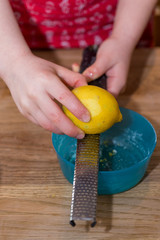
97, 69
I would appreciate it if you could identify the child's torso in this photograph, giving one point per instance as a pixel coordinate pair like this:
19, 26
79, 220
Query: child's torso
64, 23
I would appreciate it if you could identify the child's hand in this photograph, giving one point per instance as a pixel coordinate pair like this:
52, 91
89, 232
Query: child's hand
112, 59
37, 85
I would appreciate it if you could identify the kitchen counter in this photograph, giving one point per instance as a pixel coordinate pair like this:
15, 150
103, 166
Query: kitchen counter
35, 197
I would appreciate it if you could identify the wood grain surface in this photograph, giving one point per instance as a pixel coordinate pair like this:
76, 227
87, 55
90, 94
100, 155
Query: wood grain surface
34, 195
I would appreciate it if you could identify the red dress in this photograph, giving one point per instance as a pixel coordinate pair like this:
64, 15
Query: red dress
65, 23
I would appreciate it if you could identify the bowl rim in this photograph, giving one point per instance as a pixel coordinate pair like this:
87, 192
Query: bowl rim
148, 156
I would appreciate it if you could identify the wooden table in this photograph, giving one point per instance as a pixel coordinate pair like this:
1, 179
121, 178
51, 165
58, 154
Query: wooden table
34, 195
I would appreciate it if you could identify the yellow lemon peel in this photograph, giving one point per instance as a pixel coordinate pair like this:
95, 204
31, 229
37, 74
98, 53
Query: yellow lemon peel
101, 104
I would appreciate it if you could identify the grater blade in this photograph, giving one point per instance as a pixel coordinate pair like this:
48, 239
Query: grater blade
84, 194
85, 183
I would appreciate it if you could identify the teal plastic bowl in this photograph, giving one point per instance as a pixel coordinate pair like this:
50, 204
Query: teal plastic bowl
125, 151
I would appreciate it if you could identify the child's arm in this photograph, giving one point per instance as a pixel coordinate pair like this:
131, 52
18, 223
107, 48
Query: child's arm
113, 57
35, 83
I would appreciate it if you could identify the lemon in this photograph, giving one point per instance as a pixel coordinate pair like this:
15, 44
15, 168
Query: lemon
103, 108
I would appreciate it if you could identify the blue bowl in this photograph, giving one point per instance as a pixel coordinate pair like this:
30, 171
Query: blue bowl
125, 151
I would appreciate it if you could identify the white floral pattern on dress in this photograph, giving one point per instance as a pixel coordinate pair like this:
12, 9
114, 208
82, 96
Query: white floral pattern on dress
30, 4
65, 6
33, 20
82, 43
109, 8
49, 36
49, 7
64, 23
97, 40
65, 44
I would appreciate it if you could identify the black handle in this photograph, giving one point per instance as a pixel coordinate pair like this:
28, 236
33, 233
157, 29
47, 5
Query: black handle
88, 58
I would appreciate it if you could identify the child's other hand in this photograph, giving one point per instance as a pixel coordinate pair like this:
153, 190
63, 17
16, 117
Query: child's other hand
113, 59
37, 86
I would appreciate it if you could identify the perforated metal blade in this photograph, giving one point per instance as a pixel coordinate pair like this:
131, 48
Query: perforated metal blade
84, 193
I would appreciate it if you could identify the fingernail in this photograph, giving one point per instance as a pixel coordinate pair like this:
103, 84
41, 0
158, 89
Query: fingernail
75, 67
80, 135
90, 75
86, 117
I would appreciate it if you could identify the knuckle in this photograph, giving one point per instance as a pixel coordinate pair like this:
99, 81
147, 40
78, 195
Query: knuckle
32, 94
79, 82
97, 70
43, 75
24, 106
55, 117
71, 132
79, 75
64, 96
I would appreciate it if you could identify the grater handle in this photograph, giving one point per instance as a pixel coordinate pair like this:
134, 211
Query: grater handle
89, 57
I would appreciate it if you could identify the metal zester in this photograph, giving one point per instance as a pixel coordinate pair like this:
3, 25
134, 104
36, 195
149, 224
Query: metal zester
84, 193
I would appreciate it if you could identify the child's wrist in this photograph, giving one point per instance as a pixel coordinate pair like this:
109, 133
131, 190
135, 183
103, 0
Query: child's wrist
125, 42
10, 63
